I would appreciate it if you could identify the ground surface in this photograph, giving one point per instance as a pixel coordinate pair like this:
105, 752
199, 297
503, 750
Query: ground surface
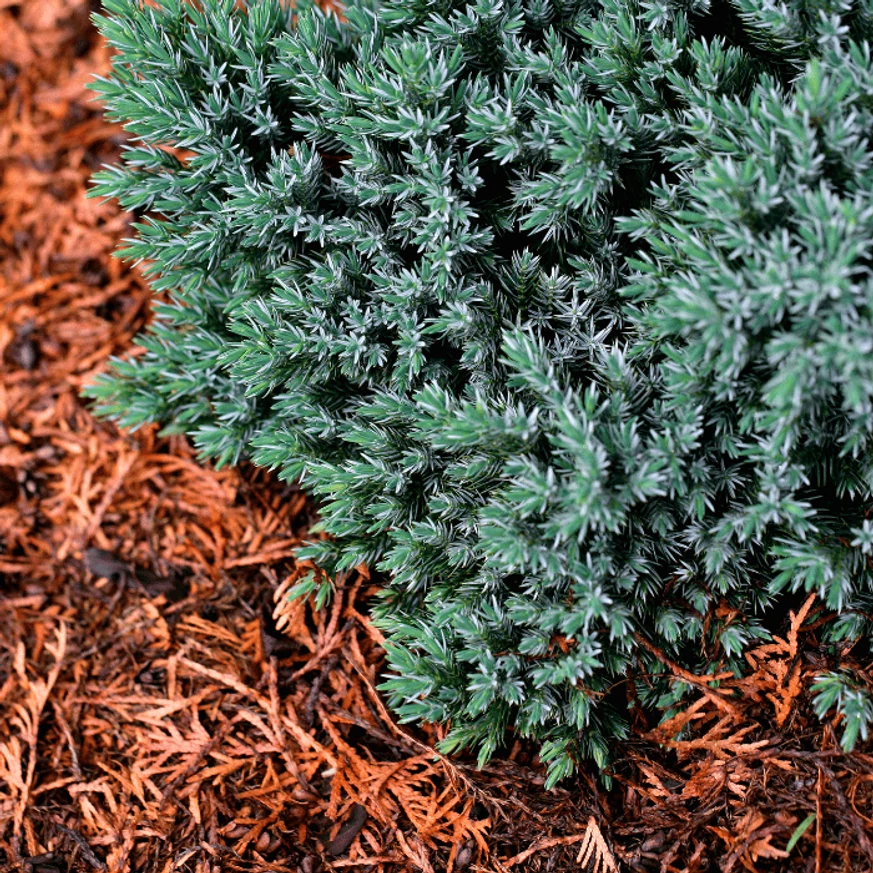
158, 713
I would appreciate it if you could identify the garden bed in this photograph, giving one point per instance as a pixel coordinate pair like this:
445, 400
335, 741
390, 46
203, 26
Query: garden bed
159, 711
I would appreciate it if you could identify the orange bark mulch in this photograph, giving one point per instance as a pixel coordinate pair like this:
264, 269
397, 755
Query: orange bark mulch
162, 706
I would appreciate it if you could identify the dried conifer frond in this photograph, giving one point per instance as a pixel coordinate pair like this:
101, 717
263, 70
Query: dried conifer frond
19, 733
594, 853
776, 668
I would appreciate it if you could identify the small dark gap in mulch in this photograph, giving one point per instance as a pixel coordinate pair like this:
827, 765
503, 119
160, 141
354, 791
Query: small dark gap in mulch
162, 706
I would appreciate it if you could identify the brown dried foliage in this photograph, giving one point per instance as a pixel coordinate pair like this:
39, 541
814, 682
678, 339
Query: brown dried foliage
747, 762
160, 714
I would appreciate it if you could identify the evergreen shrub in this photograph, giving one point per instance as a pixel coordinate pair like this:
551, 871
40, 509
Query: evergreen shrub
562, 308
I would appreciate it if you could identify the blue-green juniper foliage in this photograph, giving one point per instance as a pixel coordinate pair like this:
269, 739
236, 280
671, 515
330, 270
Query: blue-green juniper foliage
562, 308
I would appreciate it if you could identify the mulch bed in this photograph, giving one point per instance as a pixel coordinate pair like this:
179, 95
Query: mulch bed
164, 708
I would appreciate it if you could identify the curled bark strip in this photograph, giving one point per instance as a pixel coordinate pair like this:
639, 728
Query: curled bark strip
348, 831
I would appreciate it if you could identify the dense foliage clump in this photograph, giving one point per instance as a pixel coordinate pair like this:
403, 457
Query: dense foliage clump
562, 308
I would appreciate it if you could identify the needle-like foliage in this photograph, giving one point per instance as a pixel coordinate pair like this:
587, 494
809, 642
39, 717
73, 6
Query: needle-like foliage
562, 308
